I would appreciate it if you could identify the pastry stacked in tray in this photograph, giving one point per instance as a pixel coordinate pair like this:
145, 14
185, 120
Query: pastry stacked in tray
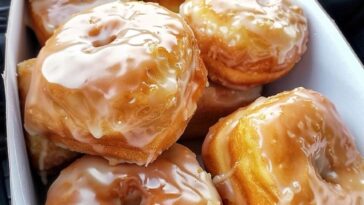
120, 82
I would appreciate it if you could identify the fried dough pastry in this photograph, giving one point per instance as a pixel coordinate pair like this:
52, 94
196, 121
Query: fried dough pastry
174, 178
291, 148
172, 5
218, 101
47, 15
45, 155
121, 81
250, 42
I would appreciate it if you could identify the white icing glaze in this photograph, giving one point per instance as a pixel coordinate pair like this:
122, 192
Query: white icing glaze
174, 178
122, 70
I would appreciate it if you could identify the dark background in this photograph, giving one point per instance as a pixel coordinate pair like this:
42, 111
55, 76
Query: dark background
348, 14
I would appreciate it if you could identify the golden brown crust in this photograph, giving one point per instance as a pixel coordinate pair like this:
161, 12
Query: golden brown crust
116, 151
234, 78
287, 149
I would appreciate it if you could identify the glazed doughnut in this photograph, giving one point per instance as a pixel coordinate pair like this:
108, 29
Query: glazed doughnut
218, 101
45, 156
121, 80
250, 42
174, 178
291, 148
47, 15
172, 5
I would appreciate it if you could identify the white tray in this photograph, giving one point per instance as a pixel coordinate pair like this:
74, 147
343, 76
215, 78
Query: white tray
329, 66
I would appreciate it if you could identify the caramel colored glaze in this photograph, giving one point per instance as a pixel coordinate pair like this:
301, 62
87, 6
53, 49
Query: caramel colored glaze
291, 148
172, 5
250, 42
45, 155
121, 80
47, 15
174, 178
216, 102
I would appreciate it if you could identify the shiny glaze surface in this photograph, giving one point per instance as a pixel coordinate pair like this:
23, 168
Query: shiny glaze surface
53, 13
174, 178
126, 71
277, 25
296, 147
248, 36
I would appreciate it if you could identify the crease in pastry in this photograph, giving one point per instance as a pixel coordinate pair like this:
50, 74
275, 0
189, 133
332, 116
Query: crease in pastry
120, 80
218, 101
247, 43
174, 178
287, 149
